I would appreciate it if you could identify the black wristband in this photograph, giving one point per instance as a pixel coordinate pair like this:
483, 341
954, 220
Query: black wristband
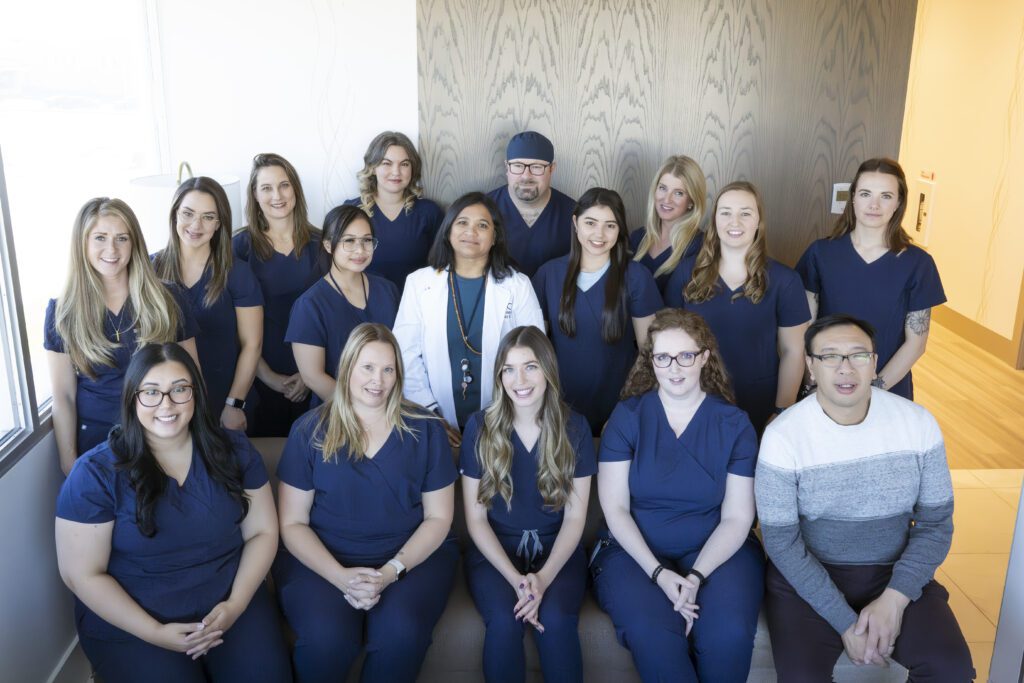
703, 579
654, 574
778, 410
235, 403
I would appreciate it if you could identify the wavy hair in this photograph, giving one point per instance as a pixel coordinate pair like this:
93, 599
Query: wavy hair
367, 177
168, 261
210, 441
81, 309
896, 237
442, 256
614, 313
713, 377
338, 425
303, 232
683, 231
703, 284
556, 460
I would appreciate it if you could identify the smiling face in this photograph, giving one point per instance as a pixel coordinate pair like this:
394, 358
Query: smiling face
676, 382
274, 192
358, 236
394, 172
196, 220
523, 379
108, 247
844, 390
737, 219
168, 420
671, 198
875, 200
472, 233
527, 187
373, 375
597, 230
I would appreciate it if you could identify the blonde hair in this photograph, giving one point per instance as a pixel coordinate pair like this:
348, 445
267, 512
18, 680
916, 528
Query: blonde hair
685, 229
81, 309
303, 232
556, 460
338, 426
704, 281
713, 377
375, 153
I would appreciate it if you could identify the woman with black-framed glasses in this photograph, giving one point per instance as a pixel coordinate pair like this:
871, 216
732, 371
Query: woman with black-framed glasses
324, 316
165, 534
678, 569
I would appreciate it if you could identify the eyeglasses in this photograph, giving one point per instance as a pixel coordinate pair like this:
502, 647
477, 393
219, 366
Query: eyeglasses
351, 243
518, 167
209, 220
834, 360
151, 398
685, 359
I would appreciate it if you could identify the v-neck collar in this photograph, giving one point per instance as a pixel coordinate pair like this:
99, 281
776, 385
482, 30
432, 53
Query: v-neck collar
668, 425
861, 259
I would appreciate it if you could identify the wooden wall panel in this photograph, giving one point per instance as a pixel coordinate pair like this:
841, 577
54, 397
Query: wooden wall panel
789, 94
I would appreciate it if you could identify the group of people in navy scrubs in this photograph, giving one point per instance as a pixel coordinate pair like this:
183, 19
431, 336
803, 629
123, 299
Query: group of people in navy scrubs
400, 346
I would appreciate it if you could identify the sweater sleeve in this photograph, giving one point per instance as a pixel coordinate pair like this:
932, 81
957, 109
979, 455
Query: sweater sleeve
775, 489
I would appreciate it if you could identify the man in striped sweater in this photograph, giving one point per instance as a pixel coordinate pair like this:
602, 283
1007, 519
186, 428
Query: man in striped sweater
856, 508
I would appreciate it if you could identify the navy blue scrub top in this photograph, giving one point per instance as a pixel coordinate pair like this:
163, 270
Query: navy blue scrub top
218, 341
653, 263
747, 333
323, 317
548, 238
403, 242
528, 510
882, 292
592, 372
99, 400
676, 486
189, 565
282, 279
365, 510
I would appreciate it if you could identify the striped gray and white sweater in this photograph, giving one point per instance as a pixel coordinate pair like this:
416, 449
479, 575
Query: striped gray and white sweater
878, 492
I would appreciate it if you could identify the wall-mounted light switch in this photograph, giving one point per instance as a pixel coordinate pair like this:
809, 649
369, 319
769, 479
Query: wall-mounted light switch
840, 195
925, 204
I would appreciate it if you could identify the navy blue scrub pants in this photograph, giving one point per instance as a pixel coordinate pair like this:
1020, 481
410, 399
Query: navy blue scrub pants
91, 434
559, 645
722, 640
253, 651
274, 414
397, 631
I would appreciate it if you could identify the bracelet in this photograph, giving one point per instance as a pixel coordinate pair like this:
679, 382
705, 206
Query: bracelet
654, 574
778, 410
235, 403
703, 579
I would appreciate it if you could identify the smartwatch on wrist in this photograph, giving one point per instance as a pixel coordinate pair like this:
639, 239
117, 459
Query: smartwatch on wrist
399, 568
235, 403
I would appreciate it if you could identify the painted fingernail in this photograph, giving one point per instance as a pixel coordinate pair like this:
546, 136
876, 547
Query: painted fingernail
531, 596
522, 585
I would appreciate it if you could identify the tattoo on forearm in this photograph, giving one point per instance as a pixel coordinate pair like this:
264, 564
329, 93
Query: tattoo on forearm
919, 321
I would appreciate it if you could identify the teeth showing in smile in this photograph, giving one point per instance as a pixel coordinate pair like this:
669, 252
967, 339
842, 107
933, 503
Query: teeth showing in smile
374, 392
523, 393
166, 418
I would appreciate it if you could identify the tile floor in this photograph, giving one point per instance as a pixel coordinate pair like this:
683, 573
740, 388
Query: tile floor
985, 511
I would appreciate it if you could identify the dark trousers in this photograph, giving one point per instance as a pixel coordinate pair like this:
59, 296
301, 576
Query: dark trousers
398, 629
253, 651
559, 646
805, 646
721, 643
274, 414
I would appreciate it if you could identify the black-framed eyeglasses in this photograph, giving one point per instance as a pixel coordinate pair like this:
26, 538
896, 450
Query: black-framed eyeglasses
366, 243
685, 359
518, 168
859, 359
151, 398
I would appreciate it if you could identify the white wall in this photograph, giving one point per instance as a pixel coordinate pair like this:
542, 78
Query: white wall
312, 81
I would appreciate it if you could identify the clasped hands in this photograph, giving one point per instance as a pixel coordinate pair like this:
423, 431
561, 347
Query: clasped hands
530, 591
362, 586
872, 638
682, 592
196, 639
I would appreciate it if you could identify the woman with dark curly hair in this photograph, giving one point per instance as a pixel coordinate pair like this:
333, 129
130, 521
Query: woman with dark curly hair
678, 567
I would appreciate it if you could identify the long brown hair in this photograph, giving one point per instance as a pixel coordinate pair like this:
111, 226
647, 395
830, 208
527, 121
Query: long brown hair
556, 460
302, 229
168, 261
81, 309
367, 177
896, 237
686, 228
713, 377
703, 284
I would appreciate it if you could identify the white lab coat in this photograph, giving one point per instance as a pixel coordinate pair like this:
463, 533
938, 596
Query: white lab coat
422, 332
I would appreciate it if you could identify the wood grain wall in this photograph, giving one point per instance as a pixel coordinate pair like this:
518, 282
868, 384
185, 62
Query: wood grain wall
789, 94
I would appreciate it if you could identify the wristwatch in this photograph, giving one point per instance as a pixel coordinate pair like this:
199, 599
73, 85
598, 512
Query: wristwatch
235, 403
399, 568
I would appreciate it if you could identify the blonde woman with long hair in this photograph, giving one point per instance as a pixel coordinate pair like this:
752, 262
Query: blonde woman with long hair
675, 209
526, 464
112, 303
755, 305
366, 503
678, 567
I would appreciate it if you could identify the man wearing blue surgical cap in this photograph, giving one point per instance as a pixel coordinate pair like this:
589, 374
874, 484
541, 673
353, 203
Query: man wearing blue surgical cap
538, 218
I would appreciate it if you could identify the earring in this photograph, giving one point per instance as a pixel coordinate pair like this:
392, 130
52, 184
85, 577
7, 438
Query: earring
690, 207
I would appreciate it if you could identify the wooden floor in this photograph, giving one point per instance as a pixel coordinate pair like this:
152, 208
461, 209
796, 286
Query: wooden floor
977, 399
